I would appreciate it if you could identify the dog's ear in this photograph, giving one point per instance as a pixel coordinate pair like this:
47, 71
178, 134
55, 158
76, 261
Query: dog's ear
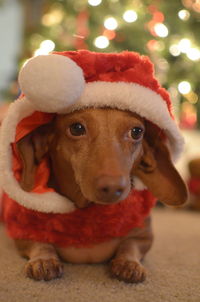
32, 148
158, 173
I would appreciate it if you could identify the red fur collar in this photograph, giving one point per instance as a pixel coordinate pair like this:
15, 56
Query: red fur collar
81, 228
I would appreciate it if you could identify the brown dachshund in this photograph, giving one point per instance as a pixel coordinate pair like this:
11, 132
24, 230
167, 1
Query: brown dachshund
94, 155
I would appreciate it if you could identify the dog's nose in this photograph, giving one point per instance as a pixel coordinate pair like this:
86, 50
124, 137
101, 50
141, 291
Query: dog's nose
110, 188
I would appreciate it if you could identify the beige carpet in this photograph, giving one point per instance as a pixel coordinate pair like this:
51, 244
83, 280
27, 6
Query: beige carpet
173, 264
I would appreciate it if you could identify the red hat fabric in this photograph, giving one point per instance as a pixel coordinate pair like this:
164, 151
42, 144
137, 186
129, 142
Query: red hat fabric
67, 81
126, 66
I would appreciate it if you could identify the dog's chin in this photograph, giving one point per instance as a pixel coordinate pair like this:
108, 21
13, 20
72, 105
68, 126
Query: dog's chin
93, 201
105, 203
88, 203
87, 200
83, 203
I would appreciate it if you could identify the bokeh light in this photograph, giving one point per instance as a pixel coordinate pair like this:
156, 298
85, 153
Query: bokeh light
184, 45
161, 30
110, 23
53, 18
46, 47
184, 14
130, 16
101, 42
184, 87
94, 2
193, 54
174, 50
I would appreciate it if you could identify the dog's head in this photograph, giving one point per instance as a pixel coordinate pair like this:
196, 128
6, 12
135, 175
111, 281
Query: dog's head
95, 155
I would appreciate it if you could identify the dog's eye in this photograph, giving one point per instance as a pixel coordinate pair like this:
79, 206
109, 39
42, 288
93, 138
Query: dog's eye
136, 133
77, 129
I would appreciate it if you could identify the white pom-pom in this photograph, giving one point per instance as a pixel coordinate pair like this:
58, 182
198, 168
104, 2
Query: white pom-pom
51, 82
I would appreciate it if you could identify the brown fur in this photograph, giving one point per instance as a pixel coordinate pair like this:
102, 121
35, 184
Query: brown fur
194, 169
92, 168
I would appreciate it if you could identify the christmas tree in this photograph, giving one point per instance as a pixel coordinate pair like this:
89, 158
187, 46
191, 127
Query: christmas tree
167, 31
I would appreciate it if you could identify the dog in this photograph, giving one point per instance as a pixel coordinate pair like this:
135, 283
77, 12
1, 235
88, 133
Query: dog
84, 151
94, 156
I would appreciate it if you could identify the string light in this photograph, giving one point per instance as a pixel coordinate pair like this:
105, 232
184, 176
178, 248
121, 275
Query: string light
47, 45
188, 115
158, 17
111, 23
184, 87
174, 50
94, 2
192, 97
53, 18
184, 14
155, 45
193, 54
101, 42
45, 48
184, 45
161, 30
130, 16
110, 34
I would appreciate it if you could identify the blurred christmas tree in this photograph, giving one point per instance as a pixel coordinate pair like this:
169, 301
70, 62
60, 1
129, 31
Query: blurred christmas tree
167, 31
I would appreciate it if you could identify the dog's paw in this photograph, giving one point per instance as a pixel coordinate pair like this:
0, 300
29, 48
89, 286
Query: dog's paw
128, 271
44, 269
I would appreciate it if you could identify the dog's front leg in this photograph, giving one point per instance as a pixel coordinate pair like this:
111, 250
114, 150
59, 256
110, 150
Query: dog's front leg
43, 263
126, 264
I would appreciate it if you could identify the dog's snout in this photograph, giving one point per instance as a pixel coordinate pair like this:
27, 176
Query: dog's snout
110, 188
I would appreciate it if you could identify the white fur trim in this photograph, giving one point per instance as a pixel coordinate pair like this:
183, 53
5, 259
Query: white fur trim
136, 98
50, 202
138, 184
51, 82
125, 96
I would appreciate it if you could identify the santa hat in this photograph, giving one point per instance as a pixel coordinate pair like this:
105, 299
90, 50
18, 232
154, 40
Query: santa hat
67, 81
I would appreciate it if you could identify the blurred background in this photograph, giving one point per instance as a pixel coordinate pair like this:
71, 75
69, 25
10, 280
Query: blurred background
167, 31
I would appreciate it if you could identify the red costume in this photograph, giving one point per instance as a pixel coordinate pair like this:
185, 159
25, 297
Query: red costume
124, 81
81, 228
194, 185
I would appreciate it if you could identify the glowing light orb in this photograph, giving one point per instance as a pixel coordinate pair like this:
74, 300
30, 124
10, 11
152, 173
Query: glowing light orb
45, 48
184, 45
47, 45
161, 30
184, 14
130, 16
111, 23
101, 42
174, 50
193, 54
94, 2
184, 87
